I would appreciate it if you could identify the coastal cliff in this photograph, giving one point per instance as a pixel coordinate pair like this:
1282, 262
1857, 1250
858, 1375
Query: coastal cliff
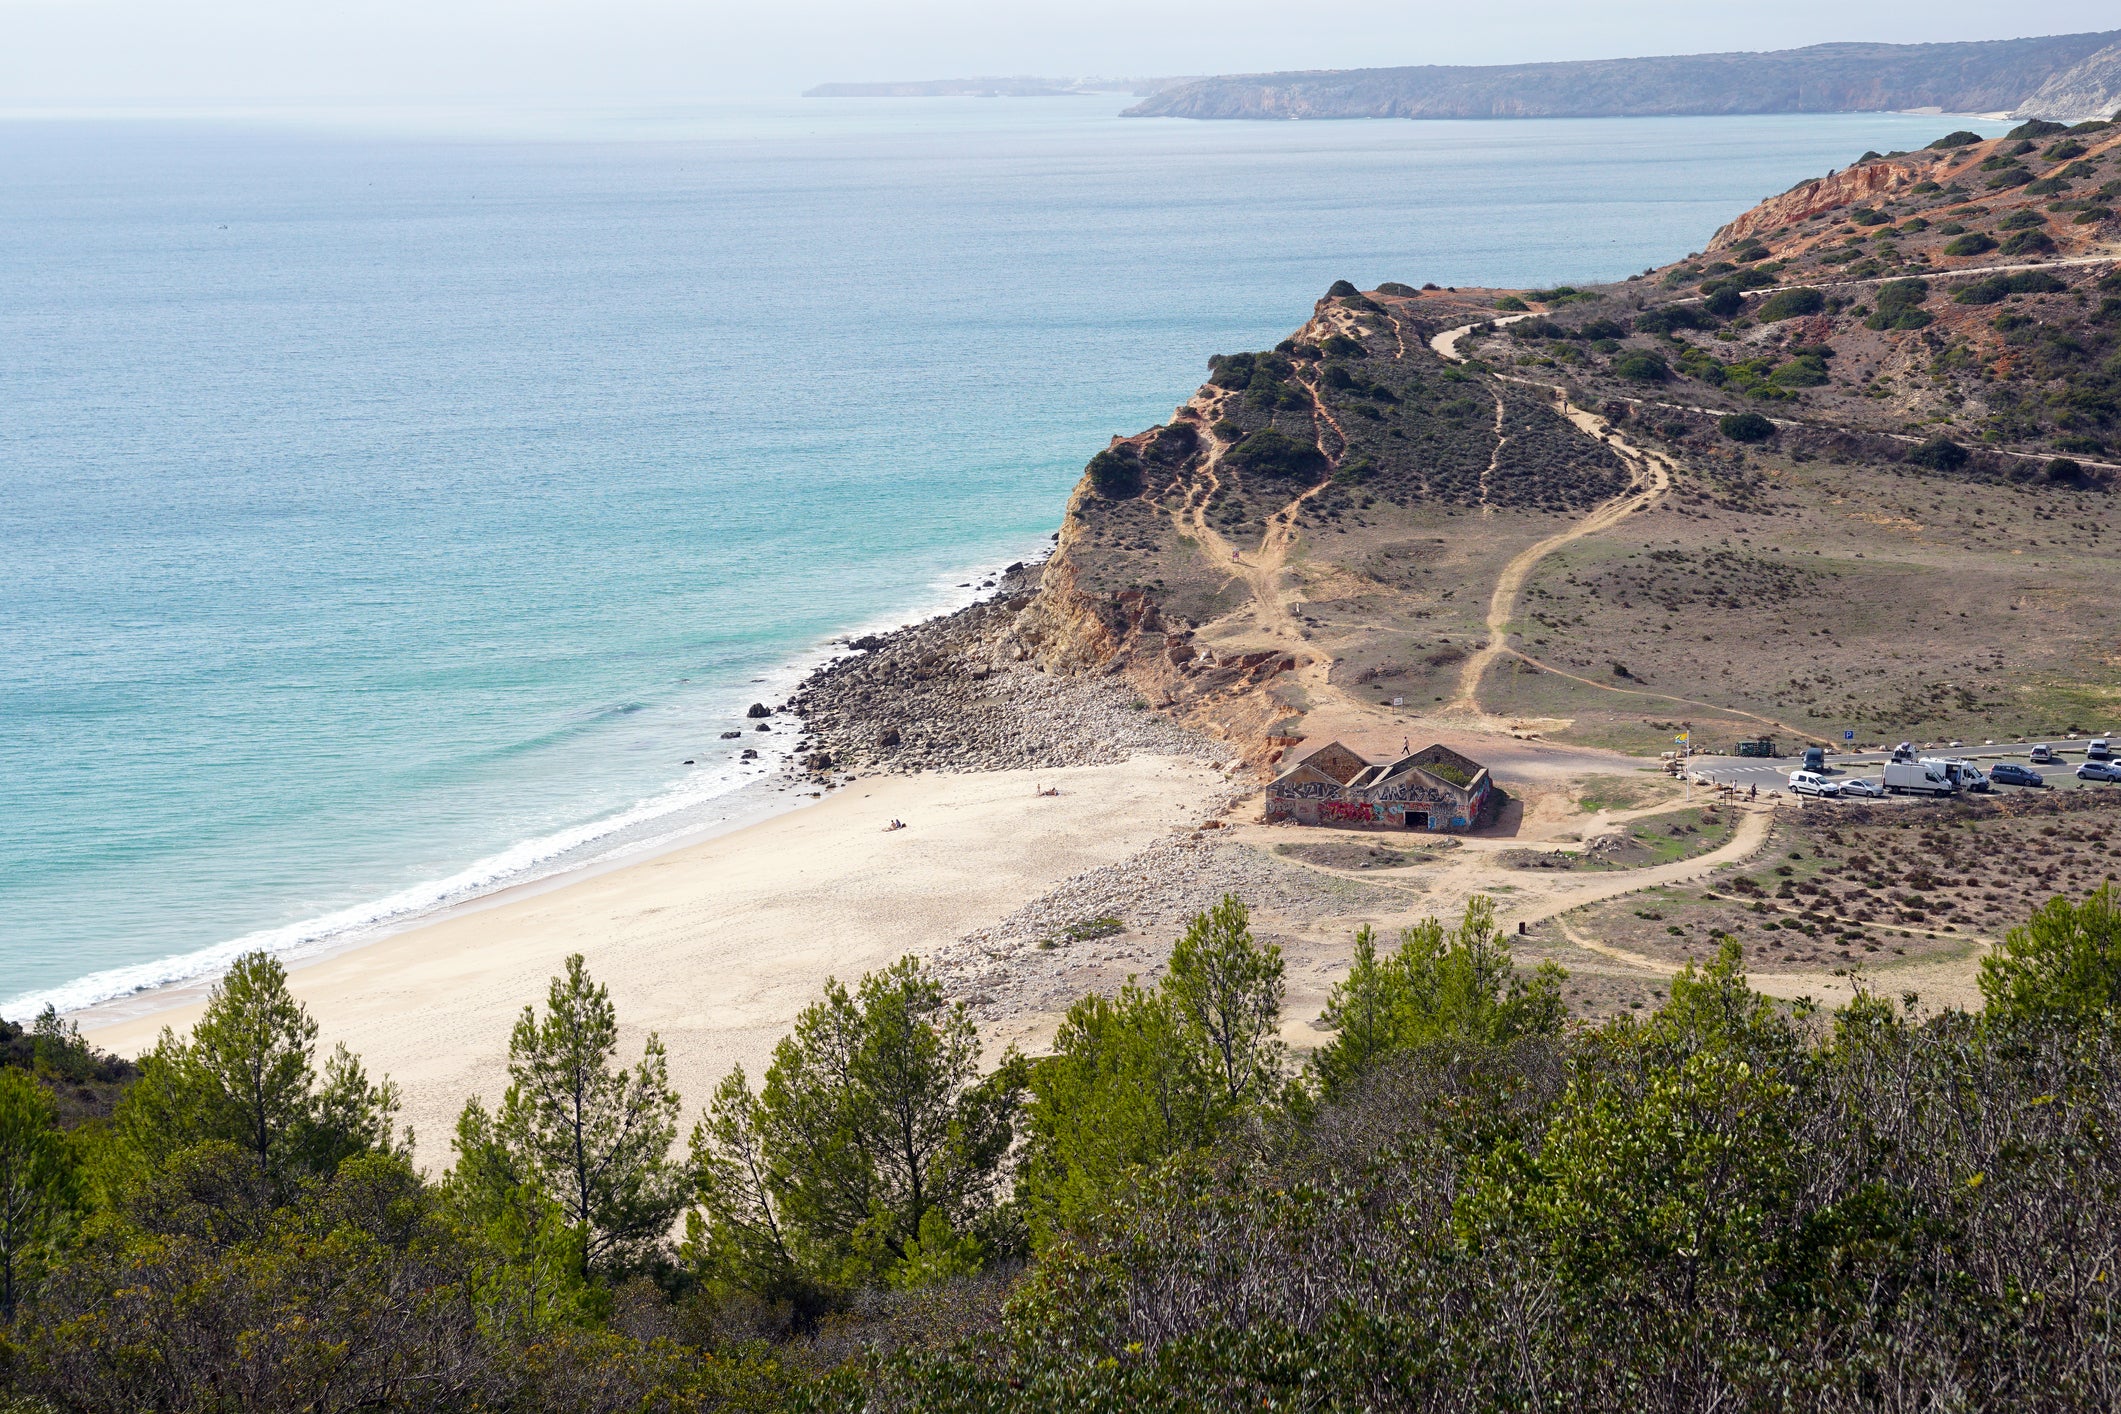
2067, 77
1356, 528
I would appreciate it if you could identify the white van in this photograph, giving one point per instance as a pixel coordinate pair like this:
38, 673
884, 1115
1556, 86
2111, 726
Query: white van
1812, 783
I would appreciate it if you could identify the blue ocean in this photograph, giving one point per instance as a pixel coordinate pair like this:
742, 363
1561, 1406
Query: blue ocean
391, 504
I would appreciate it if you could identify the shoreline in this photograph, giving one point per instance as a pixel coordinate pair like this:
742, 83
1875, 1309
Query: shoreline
614, 841
717, 946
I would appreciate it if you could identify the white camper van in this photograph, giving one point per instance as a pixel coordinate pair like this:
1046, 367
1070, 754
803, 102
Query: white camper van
1921, 778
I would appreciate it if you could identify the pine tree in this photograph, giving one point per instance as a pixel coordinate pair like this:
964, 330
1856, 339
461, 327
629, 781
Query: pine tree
592, 1135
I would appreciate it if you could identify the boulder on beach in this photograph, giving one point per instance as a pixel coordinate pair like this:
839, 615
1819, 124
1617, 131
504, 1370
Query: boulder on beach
758, 709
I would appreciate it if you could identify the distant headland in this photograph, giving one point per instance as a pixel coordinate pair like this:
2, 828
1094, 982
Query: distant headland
2069, 77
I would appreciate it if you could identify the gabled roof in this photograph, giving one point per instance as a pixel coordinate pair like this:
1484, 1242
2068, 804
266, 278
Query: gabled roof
1334, 761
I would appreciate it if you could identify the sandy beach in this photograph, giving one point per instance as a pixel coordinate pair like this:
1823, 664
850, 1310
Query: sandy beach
718, 945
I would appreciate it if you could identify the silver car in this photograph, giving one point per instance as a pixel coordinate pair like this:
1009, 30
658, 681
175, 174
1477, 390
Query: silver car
2099, 771
1875, 790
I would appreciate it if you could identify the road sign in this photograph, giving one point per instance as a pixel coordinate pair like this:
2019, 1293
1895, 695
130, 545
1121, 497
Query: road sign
1848, 736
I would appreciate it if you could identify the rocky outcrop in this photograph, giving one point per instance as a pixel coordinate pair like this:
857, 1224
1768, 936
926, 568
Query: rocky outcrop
1876, 180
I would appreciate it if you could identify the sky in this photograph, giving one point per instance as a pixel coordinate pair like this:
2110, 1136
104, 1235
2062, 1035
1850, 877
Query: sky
556, 52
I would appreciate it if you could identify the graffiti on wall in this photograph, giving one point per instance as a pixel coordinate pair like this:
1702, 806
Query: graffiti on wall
1352, 810
1307, 790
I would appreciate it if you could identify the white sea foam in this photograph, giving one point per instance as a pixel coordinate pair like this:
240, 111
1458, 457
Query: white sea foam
646, 827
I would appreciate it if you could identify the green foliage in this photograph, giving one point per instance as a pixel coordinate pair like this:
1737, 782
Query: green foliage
1971, 243
1939, 453
1341, 289
1511, 304
1125, 1088
1460, 986
870, 1154
592, 1137
1960, 138
2029, 243
1899, 305
2063, 966
1153, 1073
1996, 288
1115, 473
1225, 992
1725, 302
1666, 318
2035, 129
1745, 427
1271, 452
247, 1077
41, 1190
1642, 366
1868, 216
1791, 304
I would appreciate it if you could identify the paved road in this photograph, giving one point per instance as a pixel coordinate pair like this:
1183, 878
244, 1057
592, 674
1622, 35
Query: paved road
1774, 774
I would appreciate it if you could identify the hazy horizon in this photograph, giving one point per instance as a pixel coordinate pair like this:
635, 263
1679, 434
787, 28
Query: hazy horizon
560, 52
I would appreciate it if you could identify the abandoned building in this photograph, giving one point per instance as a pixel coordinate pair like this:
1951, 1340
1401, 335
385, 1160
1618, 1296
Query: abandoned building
1433, 789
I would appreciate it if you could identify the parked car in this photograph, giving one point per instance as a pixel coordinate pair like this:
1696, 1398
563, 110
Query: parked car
2044, 755
1812, 783
2010, 773
2097, 750
1873, 789
2099, 771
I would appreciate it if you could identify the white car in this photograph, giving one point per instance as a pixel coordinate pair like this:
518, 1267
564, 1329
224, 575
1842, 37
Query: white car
2097, 749
1812, 783
2045, 755
1873, 789
2099, 771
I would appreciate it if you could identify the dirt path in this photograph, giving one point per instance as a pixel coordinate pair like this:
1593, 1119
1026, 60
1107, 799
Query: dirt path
1650, 476
1802, 734
1446, 343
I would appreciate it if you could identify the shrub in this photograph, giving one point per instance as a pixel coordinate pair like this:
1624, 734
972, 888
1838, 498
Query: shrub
1900, 305
1725, 302
1341, 289
1939, 454
1116, 474
2030, 243
1512, 304
1394, 287
2021, 221
2064, 471
1961, 138
2037, 128
2022, 282
1745, 427
1642, 366
1666, 318
1868, 216
1972, 243
1791, 304
1341, 346
2011, 176
2092, 216
1269, 452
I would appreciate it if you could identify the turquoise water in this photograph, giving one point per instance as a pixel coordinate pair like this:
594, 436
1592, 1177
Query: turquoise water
388, 507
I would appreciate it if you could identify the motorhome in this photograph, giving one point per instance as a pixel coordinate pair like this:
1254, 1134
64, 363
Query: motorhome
1971, 777
1922, 778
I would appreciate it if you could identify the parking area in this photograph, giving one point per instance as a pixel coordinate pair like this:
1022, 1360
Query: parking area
1772, 774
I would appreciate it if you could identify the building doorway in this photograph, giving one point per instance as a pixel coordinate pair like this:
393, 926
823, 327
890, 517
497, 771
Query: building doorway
1417, 819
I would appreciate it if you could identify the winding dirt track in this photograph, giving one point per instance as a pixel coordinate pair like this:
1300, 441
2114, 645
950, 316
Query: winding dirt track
1650, 477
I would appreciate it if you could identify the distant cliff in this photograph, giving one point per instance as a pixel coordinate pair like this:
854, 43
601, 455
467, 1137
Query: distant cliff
2067, 77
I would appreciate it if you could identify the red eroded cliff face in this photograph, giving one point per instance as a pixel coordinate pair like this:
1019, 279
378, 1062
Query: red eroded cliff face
1872, 181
